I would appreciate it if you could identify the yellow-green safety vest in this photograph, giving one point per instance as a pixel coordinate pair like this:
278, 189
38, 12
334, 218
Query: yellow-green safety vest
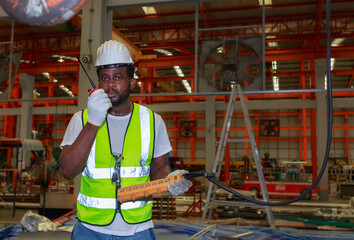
97, 200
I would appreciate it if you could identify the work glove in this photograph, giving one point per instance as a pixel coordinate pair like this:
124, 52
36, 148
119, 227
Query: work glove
179, 187
97, 107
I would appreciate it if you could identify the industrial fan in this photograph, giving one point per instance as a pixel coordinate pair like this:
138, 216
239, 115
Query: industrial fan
188, 129
230, 61
269, 128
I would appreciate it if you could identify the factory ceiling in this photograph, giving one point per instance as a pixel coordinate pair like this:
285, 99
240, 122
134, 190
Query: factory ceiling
164, 38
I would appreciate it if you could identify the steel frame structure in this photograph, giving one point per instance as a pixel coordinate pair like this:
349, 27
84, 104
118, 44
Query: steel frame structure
306, 28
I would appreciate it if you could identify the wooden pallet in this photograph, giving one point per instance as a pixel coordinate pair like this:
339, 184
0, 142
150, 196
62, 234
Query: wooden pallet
164, 207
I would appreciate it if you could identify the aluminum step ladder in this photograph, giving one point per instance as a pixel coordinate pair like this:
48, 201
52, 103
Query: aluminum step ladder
211, 202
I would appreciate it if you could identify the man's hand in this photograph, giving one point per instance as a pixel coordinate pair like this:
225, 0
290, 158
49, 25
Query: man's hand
179, 187
97, 107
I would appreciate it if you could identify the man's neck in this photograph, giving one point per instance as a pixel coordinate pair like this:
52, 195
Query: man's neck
122, 110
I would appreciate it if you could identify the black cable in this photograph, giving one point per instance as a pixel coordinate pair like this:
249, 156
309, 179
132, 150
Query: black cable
211, 177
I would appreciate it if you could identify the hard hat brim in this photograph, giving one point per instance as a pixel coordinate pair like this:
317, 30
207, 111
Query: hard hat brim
113, 65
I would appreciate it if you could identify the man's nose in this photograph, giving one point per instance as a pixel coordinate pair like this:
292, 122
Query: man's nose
111, 81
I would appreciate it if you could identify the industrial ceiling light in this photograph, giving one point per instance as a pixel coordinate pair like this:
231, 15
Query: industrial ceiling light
220, 50
149, 10
266, 2
65, 89
35, 93
333, 61
275, 77
274, 66
337, 42
61, 59
271, 44
137, 77
178, 70
163, 51
275, 83
46, 74
64, 58
186, 85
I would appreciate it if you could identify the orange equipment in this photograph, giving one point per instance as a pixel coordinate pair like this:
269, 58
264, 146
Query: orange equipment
146, 189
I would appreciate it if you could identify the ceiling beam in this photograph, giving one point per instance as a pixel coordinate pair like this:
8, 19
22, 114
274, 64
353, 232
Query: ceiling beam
239, 9
309, 53
164, 79
117, 4
183, 60
48, 67
309, 73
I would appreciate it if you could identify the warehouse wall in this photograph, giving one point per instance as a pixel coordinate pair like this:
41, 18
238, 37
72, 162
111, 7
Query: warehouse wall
288, 146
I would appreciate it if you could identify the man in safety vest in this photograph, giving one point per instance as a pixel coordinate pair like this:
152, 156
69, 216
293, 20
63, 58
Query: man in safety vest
115, 143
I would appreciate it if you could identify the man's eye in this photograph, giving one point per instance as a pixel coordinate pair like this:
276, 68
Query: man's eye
104, 78
117, 78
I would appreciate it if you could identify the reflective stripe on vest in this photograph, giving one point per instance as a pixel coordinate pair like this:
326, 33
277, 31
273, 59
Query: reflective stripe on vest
124, 172
132, 205
107, 203
96, 187
104, 203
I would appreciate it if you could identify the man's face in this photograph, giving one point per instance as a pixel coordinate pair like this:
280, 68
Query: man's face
116, 83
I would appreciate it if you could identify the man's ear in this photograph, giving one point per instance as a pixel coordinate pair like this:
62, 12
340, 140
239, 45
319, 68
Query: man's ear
132, 83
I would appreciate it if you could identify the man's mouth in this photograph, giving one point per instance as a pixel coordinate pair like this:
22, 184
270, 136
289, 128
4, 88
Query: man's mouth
112, 94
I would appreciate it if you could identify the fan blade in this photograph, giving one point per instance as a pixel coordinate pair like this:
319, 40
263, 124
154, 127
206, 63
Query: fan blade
244, 76
247, 60
214, 57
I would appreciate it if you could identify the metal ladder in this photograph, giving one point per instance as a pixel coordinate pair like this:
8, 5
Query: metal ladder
211, 194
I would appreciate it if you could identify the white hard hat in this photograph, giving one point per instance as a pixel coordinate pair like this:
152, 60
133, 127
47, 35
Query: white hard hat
113, 52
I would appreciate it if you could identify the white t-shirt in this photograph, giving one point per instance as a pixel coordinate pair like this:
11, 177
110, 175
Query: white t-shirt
117, 127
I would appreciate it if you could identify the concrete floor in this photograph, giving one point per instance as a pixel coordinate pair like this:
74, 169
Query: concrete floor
7, 215
7, 218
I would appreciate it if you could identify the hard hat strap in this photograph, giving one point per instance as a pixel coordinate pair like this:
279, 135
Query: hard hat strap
113, 65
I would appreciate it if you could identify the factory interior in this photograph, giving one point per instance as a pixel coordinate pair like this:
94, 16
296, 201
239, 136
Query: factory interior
257, 97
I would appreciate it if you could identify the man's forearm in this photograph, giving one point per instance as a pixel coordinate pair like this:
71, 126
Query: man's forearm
160, 167
73, 157
162, 172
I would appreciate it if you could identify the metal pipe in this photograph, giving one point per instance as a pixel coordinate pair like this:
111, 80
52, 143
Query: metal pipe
191, 94
228, 93
229, 28
263, 46
196, 35
14, 200
38, 99
11, 56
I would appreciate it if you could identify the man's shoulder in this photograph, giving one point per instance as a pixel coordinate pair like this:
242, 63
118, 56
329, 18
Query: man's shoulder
78, 114
157, 116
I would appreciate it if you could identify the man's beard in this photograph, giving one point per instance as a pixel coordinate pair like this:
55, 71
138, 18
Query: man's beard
121, 99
